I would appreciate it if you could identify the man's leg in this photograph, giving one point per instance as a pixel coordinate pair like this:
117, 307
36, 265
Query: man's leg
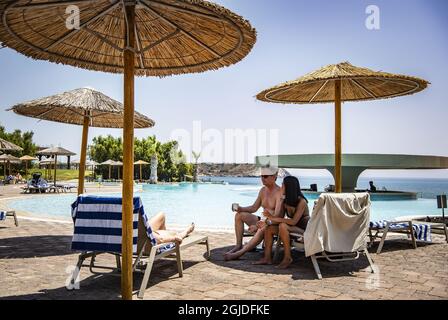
242, 218
255, 241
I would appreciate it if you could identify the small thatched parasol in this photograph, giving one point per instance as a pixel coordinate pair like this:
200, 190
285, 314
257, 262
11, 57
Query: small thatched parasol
134, 37
118, 164
140, 163
84, 106
8, 146
7, 159
109, 163
55, 152
26, 159
338, 83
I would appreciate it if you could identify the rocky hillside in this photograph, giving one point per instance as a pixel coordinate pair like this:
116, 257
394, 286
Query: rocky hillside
228, 169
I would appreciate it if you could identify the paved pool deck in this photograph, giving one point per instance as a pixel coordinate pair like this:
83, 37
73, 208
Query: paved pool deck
36, 260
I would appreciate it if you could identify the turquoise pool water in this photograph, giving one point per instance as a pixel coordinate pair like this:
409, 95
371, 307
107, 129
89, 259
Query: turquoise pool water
208, 205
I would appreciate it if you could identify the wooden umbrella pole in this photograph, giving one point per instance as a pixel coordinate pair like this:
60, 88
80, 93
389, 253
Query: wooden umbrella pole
55, 166
110, 172
128, 153
140, 172
338, 137
82, 160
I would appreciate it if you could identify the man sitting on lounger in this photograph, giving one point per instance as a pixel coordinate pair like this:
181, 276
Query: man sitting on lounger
267, 198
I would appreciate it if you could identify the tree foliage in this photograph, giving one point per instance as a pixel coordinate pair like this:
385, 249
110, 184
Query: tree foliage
22, 139
171, 161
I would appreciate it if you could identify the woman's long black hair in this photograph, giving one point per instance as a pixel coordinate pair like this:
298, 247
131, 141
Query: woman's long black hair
293, 193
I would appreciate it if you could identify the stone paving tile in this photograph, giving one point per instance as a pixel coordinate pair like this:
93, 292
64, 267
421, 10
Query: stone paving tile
35, 260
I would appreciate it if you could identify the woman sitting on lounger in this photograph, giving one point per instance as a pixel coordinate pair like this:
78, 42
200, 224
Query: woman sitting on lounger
295, 206
164, 236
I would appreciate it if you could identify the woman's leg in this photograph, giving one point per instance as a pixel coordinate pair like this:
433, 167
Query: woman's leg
255, 241
268, 242
182, 235
284, 236
158, 222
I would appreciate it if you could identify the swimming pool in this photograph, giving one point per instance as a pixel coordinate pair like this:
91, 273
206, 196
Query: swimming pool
208, 205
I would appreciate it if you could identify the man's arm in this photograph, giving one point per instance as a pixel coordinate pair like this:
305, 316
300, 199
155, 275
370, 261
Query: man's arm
253, 208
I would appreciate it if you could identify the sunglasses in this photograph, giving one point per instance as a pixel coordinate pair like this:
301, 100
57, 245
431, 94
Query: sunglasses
266, 176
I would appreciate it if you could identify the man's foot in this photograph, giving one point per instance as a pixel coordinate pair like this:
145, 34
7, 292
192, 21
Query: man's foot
235, 249
285, 264
263, 261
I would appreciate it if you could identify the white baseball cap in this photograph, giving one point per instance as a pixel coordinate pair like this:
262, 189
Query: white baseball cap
268, 171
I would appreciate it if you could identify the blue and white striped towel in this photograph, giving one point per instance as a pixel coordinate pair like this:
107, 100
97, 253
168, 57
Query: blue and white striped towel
422, 232
2, 215
98, 224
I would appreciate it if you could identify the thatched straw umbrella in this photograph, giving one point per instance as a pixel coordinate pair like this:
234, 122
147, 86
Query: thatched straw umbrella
8, 146
86, 107
338, 83
140, 163
134, 37
55, 152
26, 159
118, 164
7, 159
109, 163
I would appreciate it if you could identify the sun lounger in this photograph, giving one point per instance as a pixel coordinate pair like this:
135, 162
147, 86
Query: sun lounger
337, 230
4, 214
98, 230
415, 231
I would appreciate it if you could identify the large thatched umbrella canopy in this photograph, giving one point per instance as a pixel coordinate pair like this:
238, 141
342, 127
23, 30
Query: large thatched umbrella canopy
134, 37
6, 160
55, 152
338, 83
8, 146
73, 106
86, 107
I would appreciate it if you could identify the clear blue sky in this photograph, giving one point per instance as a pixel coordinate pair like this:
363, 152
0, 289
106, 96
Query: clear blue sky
294, 37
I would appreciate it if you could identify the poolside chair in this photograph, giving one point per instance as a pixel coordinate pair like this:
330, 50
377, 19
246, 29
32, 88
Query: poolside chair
337, 230
5, 214
98, 231
414, 231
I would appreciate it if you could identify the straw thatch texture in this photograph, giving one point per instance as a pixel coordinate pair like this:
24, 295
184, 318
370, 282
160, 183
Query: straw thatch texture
140, 162
9, 158
28, 158
72, 106
56, 151
357, 84
173, 36
108, 163
9, 146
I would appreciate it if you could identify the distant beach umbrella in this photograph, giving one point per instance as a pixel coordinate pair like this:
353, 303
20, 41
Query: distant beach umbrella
8, 146
55, 152
118, 164
340, 83
7, 159
141, 163
84, 106
26, 159
134, 37
109, 163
